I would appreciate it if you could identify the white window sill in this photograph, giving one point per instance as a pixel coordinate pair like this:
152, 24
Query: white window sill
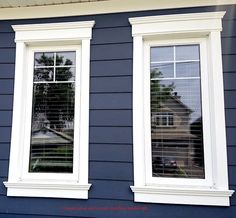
47, 189
152, 194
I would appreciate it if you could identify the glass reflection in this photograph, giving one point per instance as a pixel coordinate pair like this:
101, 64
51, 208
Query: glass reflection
176, 124
162, 53
65, 74
166, 69
43, 74
44, 59
65, 58
187, 52
52, 130
188, 69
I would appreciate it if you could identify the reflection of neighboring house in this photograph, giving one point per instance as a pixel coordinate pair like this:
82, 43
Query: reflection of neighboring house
51, 148
171, 132
173, 118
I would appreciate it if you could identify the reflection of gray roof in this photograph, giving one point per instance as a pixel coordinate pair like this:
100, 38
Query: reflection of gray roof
49, 136
177, 99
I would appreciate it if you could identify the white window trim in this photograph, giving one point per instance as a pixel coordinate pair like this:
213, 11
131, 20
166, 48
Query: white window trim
53, 36
186, 28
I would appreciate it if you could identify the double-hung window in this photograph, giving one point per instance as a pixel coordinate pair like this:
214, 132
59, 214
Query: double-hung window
178, 110
49, 148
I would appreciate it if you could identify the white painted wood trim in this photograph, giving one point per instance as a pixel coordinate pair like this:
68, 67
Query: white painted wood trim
177, 17
210, 197
53, 26
218, 110
18, 105
28, 41
42, 189
187, 23
138, 136
84, 112
53, 32
104, 7
166, 30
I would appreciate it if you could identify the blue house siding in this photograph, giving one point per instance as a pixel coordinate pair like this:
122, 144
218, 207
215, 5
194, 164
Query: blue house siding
110, 149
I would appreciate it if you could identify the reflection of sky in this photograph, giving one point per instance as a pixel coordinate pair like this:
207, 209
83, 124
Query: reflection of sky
189, 92
180, 62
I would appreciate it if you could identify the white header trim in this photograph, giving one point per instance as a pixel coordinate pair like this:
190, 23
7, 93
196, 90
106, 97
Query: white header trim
53, 26
104, 7
187, 23
178, 17
70, 31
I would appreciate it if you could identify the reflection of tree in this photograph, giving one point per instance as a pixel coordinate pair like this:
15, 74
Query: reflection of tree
55, 100
45, 60
159, 92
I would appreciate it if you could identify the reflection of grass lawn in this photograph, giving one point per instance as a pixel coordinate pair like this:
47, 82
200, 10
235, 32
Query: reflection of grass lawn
180, 172
58, 159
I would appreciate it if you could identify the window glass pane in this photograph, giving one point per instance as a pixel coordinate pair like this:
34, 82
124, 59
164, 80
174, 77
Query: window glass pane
164, 70
43, 74
188, 69
52, 130
177, 137
162, 54
187, 52
44, 59
171, 120
65, 58
65, 74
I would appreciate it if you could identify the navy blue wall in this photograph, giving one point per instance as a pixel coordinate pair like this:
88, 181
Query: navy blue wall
110, 161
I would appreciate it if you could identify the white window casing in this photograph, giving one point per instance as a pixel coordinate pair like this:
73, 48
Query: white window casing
196, 28
73, 36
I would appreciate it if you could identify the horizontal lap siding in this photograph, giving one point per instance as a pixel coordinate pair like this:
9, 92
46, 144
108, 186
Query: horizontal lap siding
111, 84
116, 101
6, 86
7, 54
7, 71
110, 135
109, 68
110, 118
3, 168
6, 102
111, 152
107, 208
6, 118
229, 69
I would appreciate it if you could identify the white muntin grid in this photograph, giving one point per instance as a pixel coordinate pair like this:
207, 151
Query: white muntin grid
54, 67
